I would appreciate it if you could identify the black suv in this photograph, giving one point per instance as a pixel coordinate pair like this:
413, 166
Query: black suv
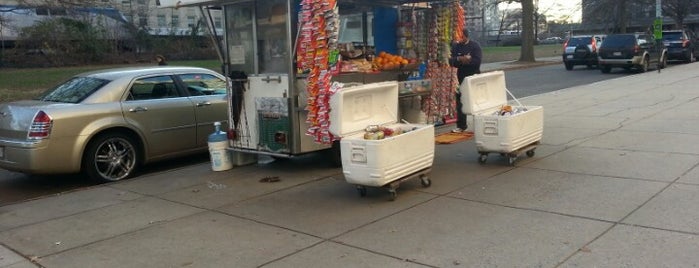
681, 45
581, 50
629, 51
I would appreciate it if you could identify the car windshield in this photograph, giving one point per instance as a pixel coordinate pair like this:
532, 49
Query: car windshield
74, 90
576, 41
672, 36
619, 40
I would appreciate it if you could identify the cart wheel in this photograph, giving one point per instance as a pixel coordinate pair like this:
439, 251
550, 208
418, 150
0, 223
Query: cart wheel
426, 182
361, 190
482, 158
530, 153
512, 160
393, 195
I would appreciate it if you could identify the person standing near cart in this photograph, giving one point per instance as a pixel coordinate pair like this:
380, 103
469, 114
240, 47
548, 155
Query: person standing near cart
466, 57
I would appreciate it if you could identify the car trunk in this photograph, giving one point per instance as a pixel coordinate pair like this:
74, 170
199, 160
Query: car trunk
618, 47
16, 117
673, 40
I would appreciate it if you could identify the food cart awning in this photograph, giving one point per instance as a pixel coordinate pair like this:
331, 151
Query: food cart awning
185, 3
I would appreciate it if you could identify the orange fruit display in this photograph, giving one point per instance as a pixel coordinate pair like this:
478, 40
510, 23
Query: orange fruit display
388, 61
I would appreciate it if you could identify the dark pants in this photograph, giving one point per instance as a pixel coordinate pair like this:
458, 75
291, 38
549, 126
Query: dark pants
460, 116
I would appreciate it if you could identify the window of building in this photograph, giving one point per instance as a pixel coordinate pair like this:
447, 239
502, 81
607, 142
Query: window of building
175, 21
143, 21
161, 21
191, 21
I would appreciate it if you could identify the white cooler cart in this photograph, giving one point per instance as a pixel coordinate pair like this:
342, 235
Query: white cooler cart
482, 95
379, 163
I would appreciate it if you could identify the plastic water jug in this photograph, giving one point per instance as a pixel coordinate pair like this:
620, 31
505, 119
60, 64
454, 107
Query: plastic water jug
218, 144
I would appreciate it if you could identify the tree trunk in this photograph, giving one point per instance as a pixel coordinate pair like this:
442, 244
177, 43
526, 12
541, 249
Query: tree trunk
527, 52
622, 10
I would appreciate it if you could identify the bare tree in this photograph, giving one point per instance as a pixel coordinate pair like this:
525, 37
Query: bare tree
678, 10
527, 34
602, 12
527, 52
616, 13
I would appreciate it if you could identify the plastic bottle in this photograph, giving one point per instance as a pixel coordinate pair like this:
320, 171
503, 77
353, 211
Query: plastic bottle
218, 149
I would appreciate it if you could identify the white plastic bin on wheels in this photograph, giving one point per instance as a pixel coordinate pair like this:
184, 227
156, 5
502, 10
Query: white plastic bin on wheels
483, 95
385, 162
218, 144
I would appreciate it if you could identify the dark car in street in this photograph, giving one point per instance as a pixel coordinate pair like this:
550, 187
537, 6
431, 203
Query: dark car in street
581, 50
631, 51
681, 45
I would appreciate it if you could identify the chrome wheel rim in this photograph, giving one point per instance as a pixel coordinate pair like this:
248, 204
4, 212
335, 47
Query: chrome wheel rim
115, 159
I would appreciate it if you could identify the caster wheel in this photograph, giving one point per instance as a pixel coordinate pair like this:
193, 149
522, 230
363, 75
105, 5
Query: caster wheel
482, 158
392, 196
530, 153
512, 161
361, 190
426, 182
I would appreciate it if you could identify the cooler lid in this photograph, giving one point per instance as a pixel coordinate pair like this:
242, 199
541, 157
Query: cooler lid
354, 108
482, 92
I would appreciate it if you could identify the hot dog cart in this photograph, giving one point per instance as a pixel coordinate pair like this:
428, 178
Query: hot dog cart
285, 56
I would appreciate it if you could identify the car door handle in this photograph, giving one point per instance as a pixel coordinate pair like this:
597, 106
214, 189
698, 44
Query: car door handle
206, 103
138, 109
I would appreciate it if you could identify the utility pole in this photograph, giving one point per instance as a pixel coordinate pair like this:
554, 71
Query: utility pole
658, 23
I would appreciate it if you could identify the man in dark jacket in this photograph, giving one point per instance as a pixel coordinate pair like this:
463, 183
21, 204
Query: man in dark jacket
466, 56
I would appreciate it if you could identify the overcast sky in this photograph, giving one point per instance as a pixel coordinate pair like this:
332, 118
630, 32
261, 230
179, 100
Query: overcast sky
556, 9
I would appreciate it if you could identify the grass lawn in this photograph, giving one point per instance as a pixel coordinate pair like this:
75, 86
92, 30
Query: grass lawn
18, 84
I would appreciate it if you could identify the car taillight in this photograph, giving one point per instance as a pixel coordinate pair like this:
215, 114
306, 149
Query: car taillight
594, 45
685, 43
636, 49
565, 45
40, 127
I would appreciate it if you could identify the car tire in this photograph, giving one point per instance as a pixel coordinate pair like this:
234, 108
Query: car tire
569, 66
691, 58
663, 62
644, 65
605, 68
110, 157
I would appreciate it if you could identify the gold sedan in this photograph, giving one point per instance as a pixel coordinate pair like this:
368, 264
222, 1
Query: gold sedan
109, 122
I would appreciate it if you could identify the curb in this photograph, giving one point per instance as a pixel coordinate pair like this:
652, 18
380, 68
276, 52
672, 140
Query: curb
515, 65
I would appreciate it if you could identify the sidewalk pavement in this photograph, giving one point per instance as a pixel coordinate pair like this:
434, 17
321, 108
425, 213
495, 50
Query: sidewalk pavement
614, 183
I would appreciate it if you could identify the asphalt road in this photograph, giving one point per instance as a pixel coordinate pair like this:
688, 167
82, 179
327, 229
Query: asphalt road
17, 187
534, 81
